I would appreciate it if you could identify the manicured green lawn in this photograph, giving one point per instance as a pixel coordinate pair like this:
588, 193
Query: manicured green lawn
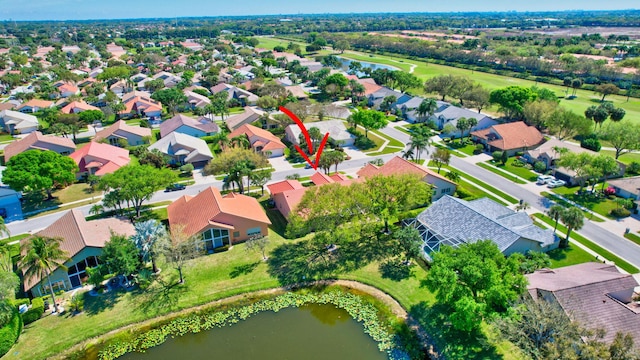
6, 138
570, 256
589, 244
633, 237
600, 205
476, 193
624, 158
504, 174
467, 149
482, 184
520, 171
584, 98
74, 192
233, 272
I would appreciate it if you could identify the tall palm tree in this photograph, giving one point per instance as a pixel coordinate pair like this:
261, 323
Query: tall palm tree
555, 212
146, 238
426, 108
573, 219
418, 144
241, 141
42, 256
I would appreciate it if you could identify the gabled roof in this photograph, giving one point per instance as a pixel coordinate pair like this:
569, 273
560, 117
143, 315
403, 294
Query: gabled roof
36, 140
267, 140
36, 103
209, 207
398, 165
630, 184
121, 126
107, 158
470, 221
18, 119
73, 106
79, 233
248, 116
168, 126
285, 185
336, 129
510, 135
7, 106
596, 295
182, 144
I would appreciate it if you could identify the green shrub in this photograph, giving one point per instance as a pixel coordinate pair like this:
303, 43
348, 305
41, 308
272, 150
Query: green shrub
209, 139
620, 212
187, 169
364, 143
478, 149
634, 168
518, 163
463, 194
591, 144
35, 313
10, 333
18, 302
497, 155
540, 166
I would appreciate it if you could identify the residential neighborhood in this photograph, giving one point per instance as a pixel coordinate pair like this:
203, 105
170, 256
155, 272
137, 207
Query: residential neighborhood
150, 168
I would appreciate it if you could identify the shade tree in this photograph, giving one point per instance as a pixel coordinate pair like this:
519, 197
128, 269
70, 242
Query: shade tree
36, 170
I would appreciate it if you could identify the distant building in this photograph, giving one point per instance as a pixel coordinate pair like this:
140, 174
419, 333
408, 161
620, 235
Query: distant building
134, 135
510, 137
336, 129
261, 140
184, 149
99, 159
14, 122
190, 126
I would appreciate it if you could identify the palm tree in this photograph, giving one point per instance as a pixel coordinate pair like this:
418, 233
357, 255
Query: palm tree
241, 141
316, 136
555, 212
419, 143
146, 238
4, 229
42, 256
453, 176
96, 209
426, 109
573, 219
408, 154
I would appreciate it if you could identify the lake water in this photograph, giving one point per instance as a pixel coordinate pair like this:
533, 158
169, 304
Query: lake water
312, 331
346, 62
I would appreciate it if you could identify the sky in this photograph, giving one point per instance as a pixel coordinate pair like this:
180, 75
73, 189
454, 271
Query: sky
119, 9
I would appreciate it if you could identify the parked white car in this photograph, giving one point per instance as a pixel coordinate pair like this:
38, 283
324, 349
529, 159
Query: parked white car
555, 183
543, 179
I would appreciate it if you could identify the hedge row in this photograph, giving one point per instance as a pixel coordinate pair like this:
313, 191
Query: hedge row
35, 312
9, 333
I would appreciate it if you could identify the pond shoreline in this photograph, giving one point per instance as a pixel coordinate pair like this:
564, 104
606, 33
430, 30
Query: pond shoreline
386, 299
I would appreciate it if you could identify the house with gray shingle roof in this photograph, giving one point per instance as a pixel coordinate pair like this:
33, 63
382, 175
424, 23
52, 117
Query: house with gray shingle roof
449, 114
451, 221
184, 149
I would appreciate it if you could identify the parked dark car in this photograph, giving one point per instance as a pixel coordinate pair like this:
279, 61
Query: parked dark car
175, 187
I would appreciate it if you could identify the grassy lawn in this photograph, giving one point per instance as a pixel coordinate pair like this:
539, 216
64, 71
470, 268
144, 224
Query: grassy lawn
520, 171
476, 193
6, 138
627, 158
591, 245
454, 152
424, 70
495, 170
466, 149
600, 204
633, 237
74, 192
392, 142
236, 271
482, 184
570, 256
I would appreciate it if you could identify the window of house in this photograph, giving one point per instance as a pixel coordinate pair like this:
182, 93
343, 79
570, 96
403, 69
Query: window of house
78, 272
236, 234
214, 238
445, 191
57, 286
254, 231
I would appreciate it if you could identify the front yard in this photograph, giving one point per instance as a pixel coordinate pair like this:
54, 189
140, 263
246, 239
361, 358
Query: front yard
74, 192
598, 203
513, 166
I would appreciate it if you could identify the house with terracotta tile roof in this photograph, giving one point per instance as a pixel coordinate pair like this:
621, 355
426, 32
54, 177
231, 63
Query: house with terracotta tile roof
509, 137
99, 159
596, 295
190, 126
217, 219
397, 165
76, 107
261, 140
14, 122
67, 89
140, 103
34, 105
184, 149
37, 141
7, 106
82, 241
134, 135
287, 194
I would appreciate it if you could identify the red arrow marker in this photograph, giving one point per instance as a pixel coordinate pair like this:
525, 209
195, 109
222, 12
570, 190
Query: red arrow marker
307, 139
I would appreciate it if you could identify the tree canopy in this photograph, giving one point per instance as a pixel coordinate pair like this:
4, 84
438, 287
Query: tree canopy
36, 170
369, 120
474, 281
